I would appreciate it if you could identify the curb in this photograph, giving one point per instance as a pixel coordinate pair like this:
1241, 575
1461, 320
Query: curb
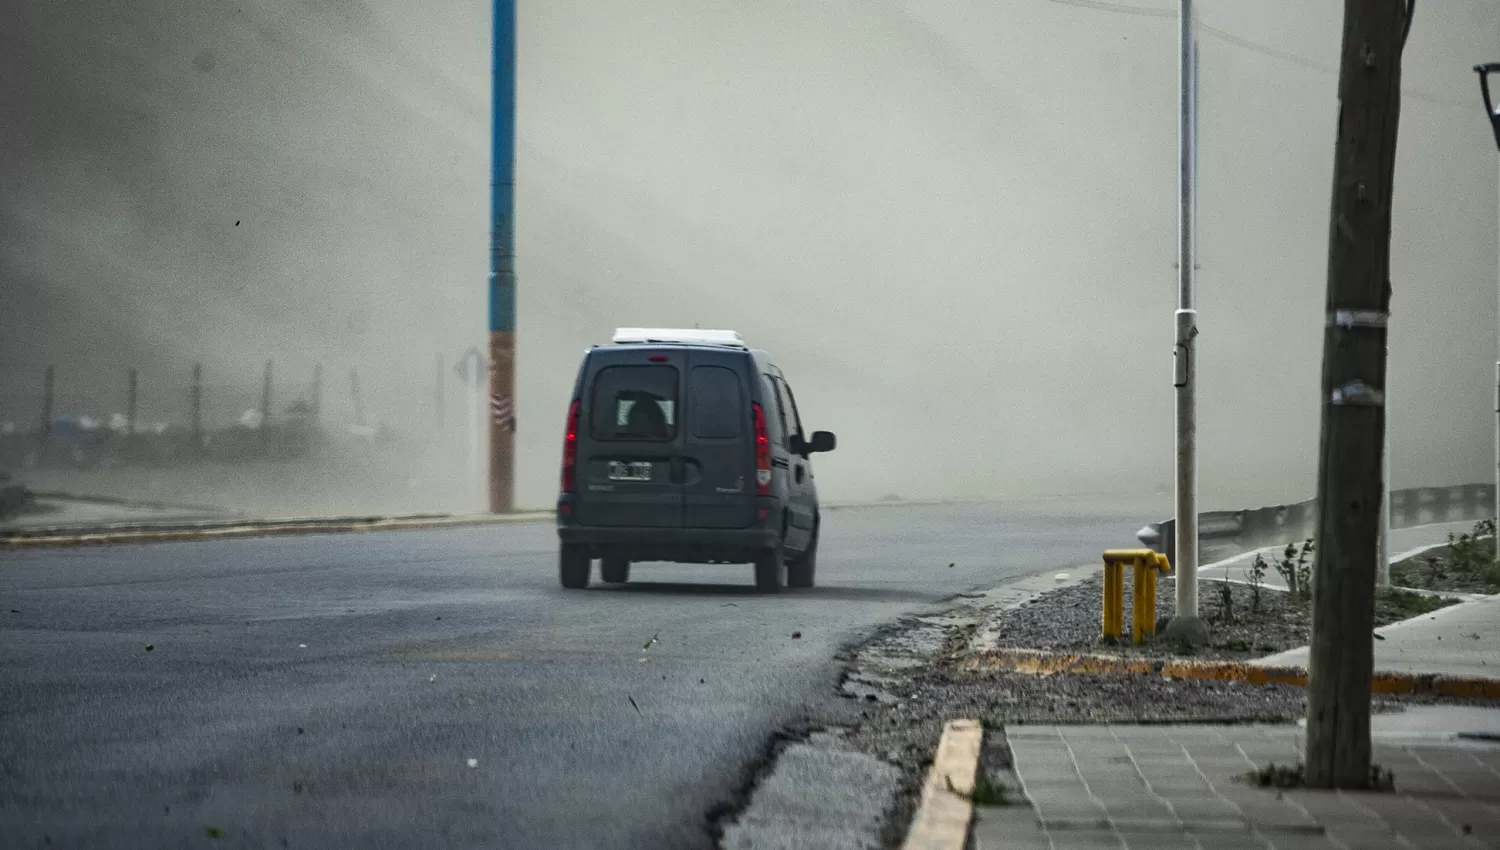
1043, 663
945, 813
217, 530
128, 503
37, 537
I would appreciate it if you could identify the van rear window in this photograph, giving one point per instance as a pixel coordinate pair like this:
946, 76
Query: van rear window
635, 403
716, 407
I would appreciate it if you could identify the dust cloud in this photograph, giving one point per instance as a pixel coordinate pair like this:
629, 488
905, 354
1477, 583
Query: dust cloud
952, 221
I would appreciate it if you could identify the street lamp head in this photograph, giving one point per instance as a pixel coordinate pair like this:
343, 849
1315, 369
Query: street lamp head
1484, 72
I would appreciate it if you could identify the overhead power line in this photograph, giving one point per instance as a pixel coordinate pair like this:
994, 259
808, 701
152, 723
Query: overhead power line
1246, 44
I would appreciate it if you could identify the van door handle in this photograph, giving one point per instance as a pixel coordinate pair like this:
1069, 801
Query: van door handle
800, 470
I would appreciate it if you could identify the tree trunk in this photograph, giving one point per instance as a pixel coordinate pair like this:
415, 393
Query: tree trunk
1354, 346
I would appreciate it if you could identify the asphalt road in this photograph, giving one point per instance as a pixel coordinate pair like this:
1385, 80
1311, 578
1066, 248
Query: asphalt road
289, 699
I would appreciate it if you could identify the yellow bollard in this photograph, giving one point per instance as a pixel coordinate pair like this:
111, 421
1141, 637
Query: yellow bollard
1143, 608
1147, 564
1114, 598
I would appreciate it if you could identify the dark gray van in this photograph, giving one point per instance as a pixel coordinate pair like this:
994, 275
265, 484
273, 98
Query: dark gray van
686, 445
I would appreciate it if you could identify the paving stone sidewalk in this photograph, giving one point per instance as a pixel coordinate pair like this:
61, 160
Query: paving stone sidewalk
1168, 787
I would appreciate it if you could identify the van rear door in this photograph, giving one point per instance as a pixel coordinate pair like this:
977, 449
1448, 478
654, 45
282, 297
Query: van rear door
719, 452
630, 441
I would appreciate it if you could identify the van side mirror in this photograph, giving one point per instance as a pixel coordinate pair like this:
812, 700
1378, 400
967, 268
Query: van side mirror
822, 441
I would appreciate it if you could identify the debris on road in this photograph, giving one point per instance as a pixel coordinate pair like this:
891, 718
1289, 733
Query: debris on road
651, 641
633, 705
150, 646
473, 762
796, 635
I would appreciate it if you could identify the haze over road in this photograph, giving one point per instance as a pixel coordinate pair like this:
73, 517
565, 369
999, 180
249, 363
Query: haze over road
231, 722
952, 218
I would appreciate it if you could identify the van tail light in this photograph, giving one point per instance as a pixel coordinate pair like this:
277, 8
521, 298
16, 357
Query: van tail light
570, 449
762, 453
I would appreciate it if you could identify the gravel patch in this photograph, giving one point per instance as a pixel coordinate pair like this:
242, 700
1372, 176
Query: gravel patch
1242, 626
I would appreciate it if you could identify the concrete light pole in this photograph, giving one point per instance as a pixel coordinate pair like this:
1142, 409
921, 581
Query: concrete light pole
1186, 623
1490, 112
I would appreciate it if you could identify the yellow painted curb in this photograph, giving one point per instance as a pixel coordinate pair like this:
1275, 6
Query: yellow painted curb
943, 817
1045, 663
18, 539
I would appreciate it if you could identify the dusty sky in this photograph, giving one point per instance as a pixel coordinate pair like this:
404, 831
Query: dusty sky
952, 221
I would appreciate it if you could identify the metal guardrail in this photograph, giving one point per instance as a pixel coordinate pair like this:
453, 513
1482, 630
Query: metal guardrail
1252, 528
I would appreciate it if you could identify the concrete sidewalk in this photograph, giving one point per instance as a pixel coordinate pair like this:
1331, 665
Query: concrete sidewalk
1460, 640
1125, 786
1167, 787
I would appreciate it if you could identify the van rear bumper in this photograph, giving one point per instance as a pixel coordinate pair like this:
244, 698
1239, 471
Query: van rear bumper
686, 545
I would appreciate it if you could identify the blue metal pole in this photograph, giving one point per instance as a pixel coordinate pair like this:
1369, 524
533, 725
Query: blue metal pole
501, 415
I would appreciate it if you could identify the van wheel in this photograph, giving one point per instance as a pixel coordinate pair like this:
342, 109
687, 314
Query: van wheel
573, 567
804, 568
614, 570
770, 569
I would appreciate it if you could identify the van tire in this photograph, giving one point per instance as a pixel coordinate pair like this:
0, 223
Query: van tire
573, 567
770, 569
803, 570
614, 570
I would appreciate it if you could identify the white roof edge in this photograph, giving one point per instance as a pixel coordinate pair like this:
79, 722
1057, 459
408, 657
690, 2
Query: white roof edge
728, 338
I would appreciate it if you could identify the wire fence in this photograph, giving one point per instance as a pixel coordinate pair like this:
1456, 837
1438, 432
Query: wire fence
135, 417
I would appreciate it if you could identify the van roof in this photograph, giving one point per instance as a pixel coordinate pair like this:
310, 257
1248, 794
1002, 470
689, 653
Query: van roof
679, 336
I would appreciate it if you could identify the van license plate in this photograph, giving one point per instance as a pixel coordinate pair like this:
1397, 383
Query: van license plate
635, 471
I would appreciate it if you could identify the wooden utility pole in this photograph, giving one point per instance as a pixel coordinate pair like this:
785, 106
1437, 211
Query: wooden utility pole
1354, 348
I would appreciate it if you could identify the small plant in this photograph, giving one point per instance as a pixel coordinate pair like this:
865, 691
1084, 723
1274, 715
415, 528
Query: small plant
1256, 577
985, 793
1295, 567
1471, 555
1276, 775
1435, 571
1295, 776
1226, 602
